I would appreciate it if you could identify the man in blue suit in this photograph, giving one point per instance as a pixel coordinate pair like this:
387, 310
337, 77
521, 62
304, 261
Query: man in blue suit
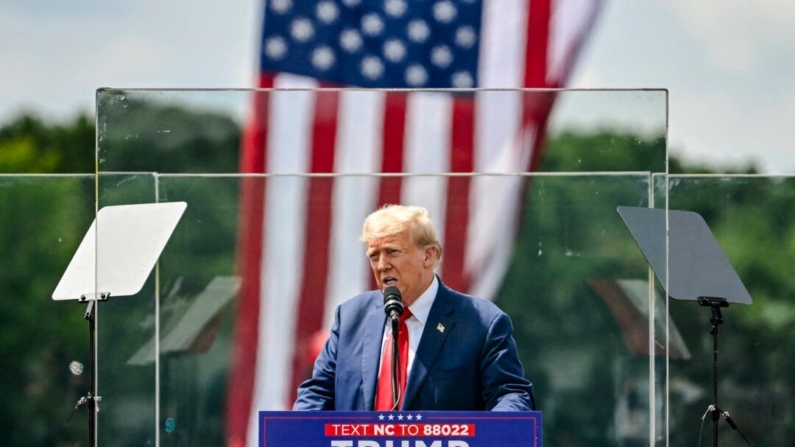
461, 354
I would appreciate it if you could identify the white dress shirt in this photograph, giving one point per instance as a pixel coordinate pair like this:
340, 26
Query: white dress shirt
415, 324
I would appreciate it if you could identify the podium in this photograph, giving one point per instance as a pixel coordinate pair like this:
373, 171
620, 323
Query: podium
399, 428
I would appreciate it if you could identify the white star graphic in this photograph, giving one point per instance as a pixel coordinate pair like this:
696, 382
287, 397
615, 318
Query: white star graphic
372, 68
418, 31
418, 417
281, 6
394, 50
323, 58
380, 417
409, 417
400, 417
462, 79
327, 11
444, 11
301, 29
395, 8
275, 47
416, 76
391, 417
441, 56
372, 25
350, 40
465, 37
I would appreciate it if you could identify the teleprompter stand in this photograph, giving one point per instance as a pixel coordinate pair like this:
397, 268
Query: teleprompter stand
715, 304
116, 256
690, 264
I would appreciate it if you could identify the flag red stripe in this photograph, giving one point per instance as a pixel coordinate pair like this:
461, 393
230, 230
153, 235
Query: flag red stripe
536, 107
392, 149
312, 298
538, 16
456, 223
250, 245
539, 141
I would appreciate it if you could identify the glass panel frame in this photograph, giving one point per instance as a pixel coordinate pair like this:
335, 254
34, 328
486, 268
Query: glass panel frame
750, 218
143, 133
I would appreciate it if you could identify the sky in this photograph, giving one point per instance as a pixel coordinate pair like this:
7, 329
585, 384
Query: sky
727, 64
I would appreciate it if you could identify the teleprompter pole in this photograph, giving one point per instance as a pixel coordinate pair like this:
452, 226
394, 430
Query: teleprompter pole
717, 319
92, 399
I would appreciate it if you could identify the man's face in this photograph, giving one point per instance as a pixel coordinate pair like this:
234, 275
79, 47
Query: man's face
397, 261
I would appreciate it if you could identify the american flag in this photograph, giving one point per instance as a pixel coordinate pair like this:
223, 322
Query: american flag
299, 255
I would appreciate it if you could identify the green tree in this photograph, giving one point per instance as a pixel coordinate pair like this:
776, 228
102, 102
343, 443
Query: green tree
140, 136
29, 145
570, 235
44, 220
571, 344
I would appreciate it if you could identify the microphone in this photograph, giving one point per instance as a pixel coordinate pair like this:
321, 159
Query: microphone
393, 304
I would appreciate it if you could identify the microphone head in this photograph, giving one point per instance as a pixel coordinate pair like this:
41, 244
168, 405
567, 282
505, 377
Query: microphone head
392, 290
393, 302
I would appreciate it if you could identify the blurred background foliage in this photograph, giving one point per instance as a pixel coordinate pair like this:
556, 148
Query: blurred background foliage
588, 383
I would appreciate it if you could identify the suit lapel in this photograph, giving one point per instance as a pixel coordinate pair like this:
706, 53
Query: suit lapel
375, 321
438, 326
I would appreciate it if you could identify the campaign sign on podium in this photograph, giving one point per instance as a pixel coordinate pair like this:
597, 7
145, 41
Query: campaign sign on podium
399, 428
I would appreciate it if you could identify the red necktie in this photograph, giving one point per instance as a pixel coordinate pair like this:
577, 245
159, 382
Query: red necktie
383, 394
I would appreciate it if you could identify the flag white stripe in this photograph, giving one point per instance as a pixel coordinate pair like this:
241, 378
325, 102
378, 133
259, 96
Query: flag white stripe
290, 131
358, 151
281, 262
360, 124
282, 259
354, 199
427, 150
493, 200
497, 122
502, 45
490, 241
569, 18
291, 81
428, 120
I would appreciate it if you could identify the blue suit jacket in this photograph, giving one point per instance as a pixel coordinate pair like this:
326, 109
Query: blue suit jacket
470, 365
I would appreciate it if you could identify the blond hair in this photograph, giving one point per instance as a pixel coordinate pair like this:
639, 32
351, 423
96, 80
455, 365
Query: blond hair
393, 219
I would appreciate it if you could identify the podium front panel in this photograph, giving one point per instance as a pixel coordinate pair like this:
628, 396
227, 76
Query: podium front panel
400, 429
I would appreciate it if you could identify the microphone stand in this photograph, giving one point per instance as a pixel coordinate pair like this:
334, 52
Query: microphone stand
393, 306
395, 321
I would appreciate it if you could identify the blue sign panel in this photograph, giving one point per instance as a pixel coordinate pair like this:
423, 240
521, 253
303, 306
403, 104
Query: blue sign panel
399, 429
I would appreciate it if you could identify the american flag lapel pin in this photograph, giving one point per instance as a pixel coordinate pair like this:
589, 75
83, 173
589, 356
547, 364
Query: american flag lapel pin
440, 328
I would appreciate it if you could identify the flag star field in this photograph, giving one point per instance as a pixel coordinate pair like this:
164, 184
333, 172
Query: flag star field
375, 43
